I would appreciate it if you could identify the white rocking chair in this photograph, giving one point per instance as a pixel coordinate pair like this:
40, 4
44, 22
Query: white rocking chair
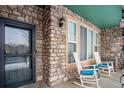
105, 65
86, 75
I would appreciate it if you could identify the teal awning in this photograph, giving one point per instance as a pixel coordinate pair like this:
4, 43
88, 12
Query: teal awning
102, 16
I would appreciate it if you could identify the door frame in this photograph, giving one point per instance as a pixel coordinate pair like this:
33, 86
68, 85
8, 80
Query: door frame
14, 23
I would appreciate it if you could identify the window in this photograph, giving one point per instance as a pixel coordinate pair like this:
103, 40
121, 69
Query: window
17, 53
97, 38
83, 43
95, 41
89, 44
16, 40
71, 41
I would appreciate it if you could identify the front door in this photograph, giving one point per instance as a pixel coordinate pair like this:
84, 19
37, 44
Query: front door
17, 49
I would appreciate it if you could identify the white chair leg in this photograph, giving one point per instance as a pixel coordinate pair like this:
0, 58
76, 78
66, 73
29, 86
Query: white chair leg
109, 72
99, 73
81, 79
113, 69
96, 79
97, 83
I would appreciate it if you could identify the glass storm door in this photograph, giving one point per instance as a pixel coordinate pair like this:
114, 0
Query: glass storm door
18, 56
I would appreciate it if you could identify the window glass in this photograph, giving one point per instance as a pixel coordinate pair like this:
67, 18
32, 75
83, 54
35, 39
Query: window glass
97, 42
89, 44
18, 64
72, 31
16, 40
72, 48
83, 43
17, 69
97, 38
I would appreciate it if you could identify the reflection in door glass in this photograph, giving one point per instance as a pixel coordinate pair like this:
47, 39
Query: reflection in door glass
16, 40
17, 69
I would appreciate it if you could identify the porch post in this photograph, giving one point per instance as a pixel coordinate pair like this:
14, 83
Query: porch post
54, 46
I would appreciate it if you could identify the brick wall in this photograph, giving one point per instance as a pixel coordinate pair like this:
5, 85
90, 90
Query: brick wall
30, 15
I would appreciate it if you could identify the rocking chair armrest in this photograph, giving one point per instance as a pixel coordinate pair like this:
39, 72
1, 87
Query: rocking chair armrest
107, 62
89, 65
95, 67
90, 69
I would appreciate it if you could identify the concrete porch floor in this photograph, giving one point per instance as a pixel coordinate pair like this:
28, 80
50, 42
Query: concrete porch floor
104, 81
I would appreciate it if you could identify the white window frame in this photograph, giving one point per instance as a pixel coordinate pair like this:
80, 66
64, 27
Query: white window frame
96, 43
97, 39
69, 20
74, 42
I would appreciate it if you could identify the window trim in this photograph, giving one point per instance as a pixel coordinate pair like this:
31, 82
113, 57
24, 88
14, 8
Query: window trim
74, 42
14, 23
97, 38
96, 42
69, 20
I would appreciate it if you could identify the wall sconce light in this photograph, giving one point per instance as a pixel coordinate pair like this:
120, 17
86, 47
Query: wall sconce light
61, 21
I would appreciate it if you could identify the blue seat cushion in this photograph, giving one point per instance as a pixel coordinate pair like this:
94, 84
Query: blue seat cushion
102, 65
87, 72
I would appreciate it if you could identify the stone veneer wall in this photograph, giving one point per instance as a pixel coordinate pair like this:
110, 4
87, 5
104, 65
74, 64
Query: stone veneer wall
109, 38
54, 46
51, 40
30, 15
55, 56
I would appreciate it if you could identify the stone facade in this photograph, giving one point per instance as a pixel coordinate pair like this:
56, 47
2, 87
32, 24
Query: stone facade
51, 43
30, 15
111, 38
54, 46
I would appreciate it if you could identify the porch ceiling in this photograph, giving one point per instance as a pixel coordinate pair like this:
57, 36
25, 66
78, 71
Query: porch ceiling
102, 16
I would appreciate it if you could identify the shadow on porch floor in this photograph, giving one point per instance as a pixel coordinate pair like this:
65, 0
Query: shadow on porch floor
105, 82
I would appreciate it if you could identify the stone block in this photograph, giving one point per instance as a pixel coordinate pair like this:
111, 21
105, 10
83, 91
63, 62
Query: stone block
11, 16
39, 78
20, 18
16, 13
52, 70
53, 78
62, 76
